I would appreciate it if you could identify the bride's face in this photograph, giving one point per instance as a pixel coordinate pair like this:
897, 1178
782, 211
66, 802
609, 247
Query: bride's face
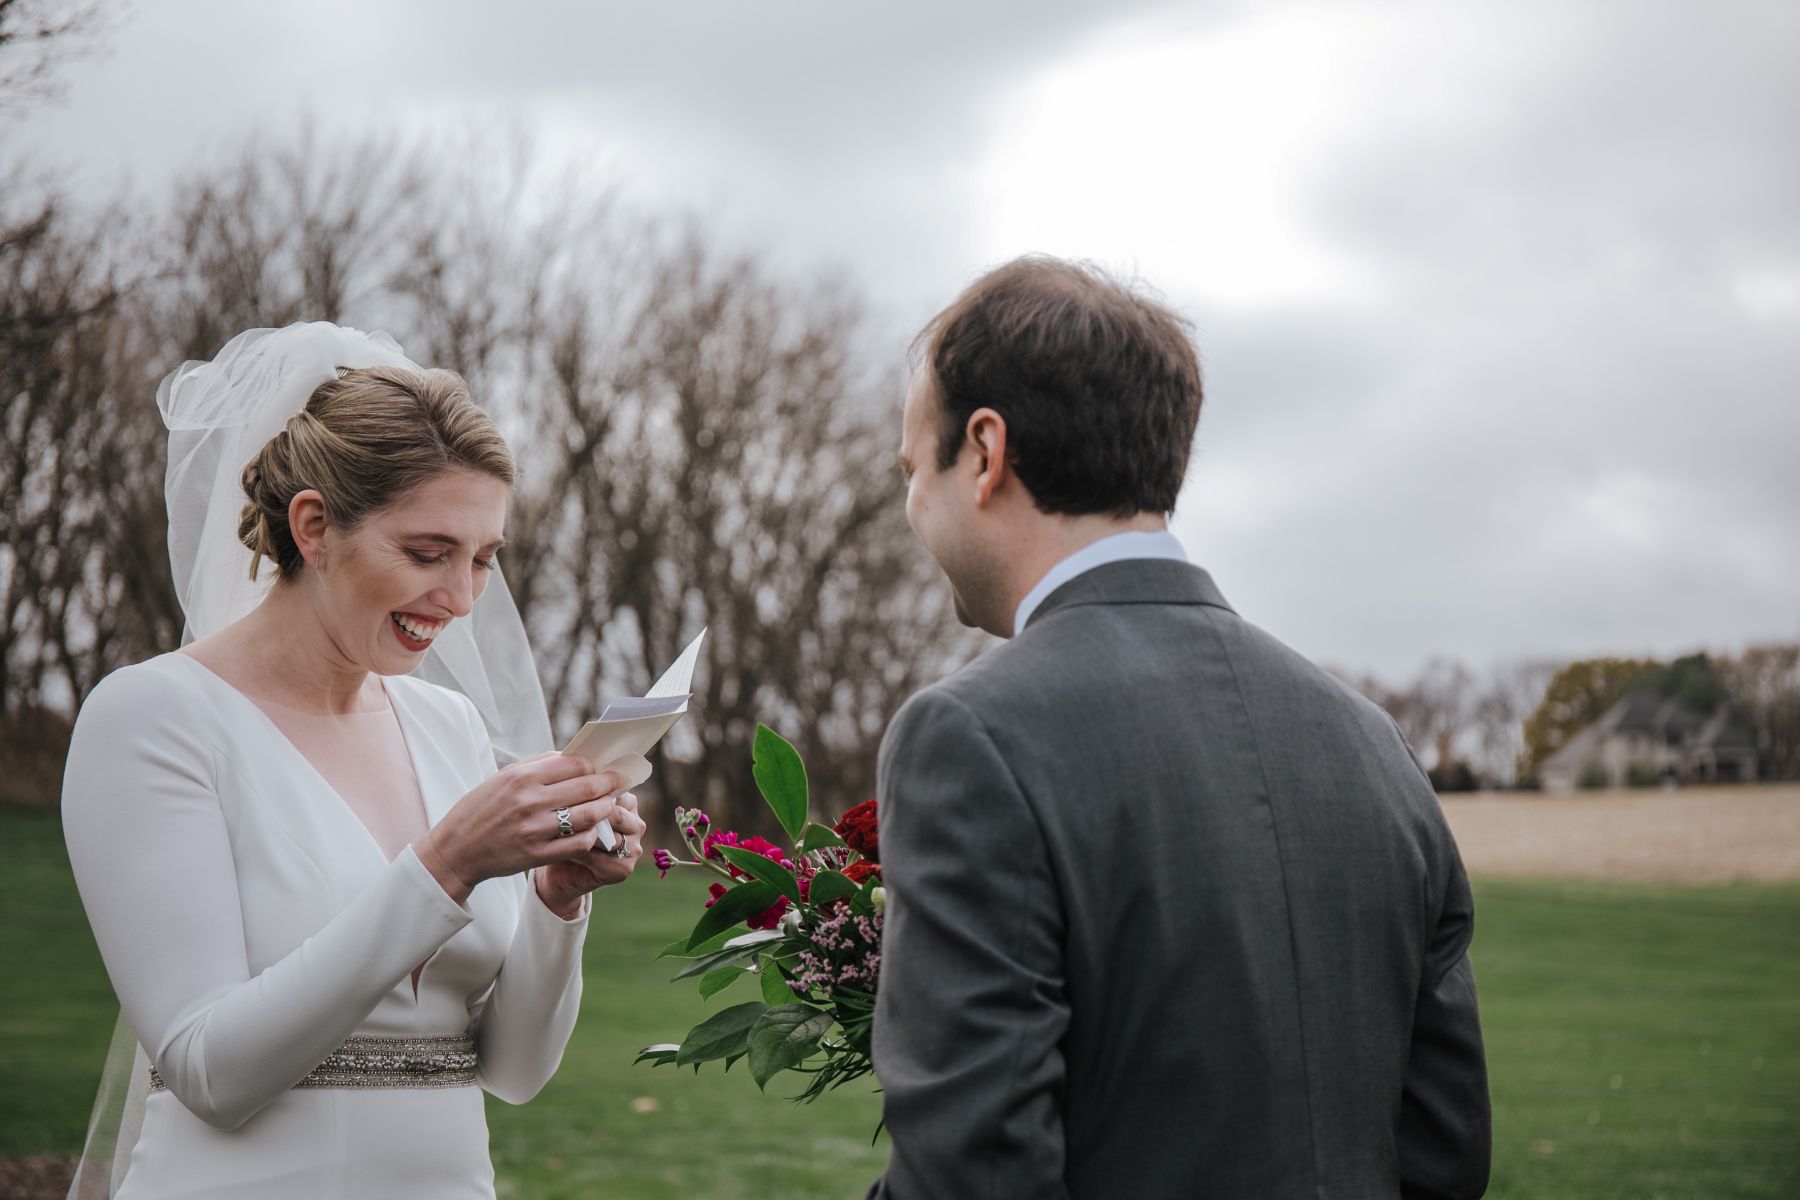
394, 583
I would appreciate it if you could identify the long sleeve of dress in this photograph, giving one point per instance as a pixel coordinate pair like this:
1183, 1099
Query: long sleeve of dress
152, 858
528, 1019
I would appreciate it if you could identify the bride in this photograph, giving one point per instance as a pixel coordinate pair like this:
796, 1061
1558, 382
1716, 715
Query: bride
306, 875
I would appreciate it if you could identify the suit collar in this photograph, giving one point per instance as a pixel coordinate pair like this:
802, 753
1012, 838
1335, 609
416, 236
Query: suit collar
1116, 547
1135, 581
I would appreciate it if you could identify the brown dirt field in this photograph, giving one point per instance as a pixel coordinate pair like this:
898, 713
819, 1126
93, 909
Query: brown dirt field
1693, 835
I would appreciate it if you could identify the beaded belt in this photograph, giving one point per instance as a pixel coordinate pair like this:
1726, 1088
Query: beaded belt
388, 1062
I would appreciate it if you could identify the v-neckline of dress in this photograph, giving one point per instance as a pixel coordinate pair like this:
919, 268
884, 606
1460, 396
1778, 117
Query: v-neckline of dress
274, 730
401, 718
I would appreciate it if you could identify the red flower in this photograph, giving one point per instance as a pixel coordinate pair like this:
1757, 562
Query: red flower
859, 830
860, 870
769, 917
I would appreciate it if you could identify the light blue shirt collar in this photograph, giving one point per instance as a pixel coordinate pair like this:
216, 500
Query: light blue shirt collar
1113, 548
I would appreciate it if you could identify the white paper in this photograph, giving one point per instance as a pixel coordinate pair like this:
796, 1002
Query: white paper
629, 728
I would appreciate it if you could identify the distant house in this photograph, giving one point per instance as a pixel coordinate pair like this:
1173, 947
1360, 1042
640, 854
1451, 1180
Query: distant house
1646, 739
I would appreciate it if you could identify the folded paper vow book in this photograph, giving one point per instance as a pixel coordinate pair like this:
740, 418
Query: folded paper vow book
632, 726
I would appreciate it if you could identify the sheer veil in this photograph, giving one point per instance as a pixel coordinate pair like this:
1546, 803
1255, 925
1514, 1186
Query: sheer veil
219, 415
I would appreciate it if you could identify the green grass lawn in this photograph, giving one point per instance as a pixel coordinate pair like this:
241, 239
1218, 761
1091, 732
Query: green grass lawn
1644, 1042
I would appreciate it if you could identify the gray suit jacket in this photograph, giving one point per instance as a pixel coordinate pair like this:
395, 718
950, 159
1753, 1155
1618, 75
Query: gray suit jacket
1171, 912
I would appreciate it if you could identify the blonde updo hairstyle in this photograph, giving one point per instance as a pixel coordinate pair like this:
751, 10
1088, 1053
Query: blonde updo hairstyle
363, 441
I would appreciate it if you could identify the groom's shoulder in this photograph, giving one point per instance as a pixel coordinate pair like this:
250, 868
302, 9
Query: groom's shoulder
990, 686
967, 696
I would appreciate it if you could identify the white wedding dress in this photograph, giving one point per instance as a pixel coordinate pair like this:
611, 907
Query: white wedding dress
251, 925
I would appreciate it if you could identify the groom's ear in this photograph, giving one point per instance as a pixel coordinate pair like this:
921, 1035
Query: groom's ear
987, 438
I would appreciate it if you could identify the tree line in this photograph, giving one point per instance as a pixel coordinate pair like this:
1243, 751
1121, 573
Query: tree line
702, 439
1496, 731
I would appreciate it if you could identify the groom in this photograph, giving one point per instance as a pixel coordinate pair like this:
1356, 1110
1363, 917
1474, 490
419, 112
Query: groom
1171, 912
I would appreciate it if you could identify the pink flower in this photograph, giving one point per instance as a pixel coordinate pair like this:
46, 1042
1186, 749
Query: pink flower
755, 845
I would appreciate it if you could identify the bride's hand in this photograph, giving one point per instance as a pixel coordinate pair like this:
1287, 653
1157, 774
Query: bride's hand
508, 823
561, 885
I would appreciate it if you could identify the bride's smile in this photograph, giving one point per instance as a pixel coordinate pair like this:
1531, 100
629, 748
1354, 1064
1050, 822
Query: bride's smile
415, 633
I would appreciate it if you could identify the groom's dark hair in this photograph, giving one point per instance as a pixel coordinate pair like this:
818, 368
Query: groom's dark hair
1098, 384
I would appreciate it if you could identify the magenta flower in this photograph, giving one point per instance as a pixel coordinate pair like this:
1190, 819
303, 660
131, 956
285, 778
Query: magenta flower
755, 845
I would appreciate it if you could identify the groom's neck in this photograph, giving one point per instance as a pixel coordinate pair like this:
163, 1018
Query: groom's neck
1045, 540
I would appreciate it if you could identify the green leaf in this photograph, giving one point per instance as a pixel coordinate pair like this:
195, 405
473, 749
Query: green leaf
713, 962
716, 981
679, 947
741, 948
828, 886
721, 1035
775, 989
739, 904
657, 1056
783, 1037
755, 865
818, 837
781, 778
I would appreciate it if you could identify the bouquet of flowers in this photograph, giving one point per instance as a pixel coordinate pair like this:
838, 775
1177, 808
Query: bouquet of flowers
803, 921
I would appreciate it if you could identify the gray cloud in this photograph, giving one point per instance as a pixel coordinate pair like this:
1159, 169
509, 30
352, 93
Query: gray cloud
1557, 426
1556, 413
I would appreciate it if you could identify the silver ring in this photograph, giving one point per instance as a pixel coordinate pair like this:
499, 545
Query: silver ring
622, 851
563, 828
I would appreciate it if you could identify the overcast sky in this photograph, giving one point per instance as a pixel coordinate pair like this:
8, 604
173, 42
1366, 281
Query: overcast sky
1499, 303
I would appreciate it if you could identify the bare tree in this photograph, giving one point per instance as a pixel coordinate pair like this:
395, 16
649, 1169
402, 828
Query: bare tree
701, 441
1764, 683
74, 468
1511, 693
83, 571
37, 36
1452, 716
293, 231
1445, 696
718, 466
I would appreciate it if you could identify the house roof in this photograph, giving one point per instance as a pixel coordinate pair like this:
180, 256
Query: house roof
1577, 747
1722, 733
1654, 716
